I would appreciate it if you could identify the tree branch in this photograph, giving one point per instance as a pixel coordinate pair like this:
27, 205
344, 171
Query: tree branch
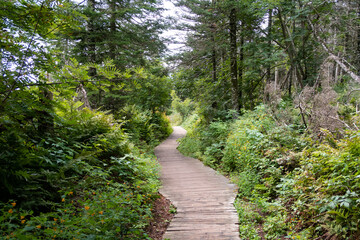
333, 56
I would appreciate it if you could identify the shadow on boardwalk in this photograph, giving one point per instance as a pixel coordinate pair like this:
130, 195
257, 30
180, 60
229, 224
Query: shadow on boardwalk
203, 198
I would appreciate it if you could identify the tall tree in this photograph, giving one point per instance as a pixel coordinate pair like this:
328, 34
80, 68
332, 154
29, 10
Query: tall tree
128, 32
233, 60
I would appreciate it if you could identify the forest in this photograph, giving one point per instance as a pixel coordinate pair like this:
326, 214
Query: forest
268, 90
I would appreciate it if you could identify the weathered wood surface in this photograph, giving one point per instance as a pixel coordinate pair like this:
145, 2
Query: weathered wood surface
203, 198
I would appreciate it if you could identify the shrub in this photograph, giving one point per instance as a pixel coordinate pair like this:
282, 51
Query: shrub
144, 125
85, 180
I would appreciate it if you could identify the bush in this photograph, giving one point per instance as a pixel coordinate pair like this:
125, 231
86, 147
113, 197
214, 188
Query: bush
183, 108
144, 125
303, 189
85, 180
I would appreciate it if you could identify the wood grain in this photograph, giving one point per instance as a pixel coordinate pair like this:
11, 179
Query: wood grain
203, 198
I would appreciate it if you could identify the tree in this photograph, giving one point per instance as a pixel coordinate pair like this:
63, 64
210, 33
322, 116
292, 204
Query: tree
128, 32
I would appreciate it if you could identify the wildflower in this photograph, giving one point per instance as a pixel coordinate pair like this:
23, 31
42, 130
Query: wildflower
87, 207
94, 193
63, 200
38, 226
22, 217
71, 193
101, 212
23, 221
62, 221
55, 219
10, 211
13, 204
108, 183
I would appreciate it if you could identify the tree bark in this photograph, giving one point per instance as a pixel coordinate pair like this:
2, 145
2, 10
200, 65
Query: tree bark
268, 78
241, 71
291, 50
112, 45
233, 63
213, 58
90, 36
82, 96
358, 40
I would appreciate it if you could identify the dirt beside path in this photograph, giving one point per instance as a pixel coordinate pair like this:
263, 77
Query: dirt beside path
162, 218
203, 198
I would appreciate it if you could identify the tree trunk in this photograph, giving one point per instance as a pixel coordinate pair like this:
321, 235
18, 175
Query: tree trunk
241, 71
112, 45
82, 96
46, 120
233, 64
213, 58
213, 52
291, 49
268, 78
358, 40
333, 56
91, 35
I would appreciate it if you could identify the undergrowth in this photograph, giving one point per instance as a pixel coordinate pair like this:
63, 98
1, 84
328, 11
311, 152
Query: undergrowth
92, 177
291, 184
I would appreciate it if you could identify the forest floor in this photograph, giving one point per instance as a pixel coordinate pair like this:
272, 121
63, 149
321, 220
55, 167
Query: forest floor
162, 218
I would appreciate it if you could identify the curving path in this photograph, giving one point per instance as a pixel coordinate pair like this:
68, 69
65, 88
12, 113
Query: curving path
203, 198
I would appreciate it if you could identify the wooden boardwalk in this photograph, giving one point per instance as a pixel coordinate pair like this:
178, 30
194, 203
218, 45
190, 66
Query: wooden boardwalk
203, 198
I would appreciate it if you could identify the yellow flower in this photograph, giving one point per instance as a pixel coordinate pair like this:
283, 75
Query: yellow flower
55, 219
94, 193
101, 212
10, 211
23, 221
13, 204
22, 217
87, 207
63, 200
38, 226
71, 193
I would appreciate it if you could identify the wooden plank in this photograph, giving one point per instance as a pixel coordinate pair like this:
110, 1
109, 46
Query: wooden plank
204, 198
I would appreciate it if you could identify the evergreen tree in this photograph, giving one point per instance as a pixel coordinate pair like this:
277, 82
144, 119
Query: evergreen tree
128, 32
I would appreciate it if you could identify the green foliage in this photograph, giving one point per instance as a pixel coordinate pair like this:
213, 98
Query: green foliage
129, 44
183, 108
107, 211
68, 171
205, 142
88, 161
144, 125
291, 185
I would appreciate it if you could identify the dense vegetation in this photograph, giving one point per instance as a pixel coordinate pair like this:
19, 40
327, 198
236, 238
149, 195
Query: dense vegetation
79, 118
269, 93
